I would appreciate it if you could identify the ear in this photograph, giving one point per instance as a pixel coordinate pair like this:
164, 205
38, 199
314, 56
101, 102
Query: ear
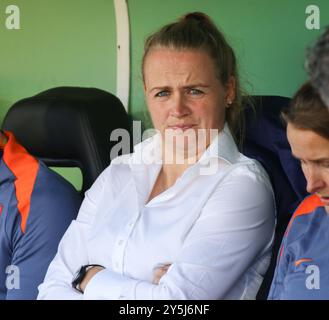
230, 90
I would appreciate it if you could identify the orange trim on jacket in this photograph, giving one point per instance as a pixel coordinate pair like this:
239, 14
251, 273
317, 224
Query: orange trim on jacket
25, 168
300, 261
306, 207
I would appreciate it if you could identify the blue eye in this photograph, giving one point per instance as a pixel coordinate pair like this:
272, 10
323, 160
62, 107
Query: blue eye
162, 94
195, 92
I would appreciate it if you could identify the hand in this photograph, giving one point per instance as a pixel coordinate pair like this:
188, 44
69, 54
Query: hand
159, 272
90, 273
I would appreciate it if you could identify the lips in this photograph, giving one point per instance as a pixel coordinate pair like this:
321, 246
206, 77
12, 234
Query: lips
181, 126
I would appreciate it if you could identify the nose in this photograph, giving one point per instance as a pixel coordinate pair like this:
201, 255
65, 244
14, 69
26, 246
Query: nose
315, 182
179, 108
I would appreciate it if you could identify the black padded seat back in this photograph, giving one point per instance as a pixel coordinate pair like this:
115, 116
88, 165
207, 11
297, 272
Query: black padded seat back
69, 127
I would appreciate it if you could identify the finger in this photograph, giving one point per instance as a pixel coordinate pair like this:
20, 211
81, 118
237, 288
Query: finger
156, 279
158, 274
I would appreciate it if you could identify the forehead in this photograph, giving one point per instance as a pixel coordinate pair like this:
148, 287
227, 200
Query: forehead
166, 54
164, 62
307, 144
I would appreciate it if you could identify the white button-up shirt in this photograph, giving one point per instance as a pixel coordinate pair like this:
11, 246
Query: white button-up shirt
216, 230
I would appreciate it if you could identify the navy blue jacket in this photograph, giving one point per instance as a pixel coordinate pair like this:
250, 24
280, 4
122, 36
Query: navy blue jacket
302, 269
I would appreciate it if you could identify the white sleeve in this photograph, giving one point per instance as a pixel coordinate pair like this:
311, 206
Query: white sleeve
235, 227
72, 253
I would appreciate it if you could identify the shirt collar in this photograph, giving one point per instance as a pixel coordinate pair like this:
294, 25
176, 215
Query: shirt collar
223, 147
146, 162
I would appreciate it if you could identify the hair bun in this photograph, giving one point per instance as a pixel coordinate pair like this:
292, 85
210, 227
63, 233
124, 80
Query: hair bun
197, 16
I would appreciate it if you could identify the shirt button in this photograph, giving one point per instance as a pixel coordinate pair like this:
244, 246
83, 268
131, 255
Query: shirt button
120, 243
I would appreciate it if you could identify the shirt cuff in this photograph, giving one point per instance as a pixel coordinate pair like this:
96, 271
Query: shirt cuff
109, 285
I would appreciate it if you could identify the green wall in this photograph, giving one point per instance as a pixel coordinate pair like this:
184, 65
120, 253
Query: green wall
268, 36
72, 42
61, 42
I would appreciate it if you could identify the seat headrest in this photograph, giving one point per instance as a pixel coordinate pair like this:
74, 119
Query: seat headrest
69, 127
266, 141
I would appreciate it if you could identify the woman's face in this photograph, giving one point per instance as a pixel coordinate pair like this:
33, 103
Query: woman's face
182, 91
313, 152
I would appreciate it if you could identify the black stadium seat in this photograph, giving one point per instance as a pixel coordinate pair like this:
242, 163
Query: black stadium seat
69, 127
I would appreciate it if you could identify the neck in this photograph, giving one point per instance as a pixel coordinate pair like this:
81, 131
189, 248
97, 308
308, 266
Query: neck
181, 158
171, 172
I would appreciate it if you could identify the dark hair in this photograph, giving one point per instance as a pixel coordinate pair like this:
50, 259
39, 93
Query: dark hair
307, 111
196, 31
317, 65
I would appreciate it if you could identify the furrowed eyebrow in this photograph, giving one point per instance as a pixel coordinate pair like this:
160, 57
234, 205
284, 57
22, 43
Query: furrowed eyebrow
197, 85
159, 88
320, 160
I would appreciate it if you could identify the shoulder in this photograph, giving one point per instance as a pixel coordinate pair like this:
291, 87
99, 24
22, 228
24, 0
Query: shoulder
123, 159
308, 206
249, 171
50, 186
145, 153
50, 204
303, 216
45, 206
301, 228
115, 172
245, 188
245, 194
53, 203
38, 190
110, 182
32, 176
